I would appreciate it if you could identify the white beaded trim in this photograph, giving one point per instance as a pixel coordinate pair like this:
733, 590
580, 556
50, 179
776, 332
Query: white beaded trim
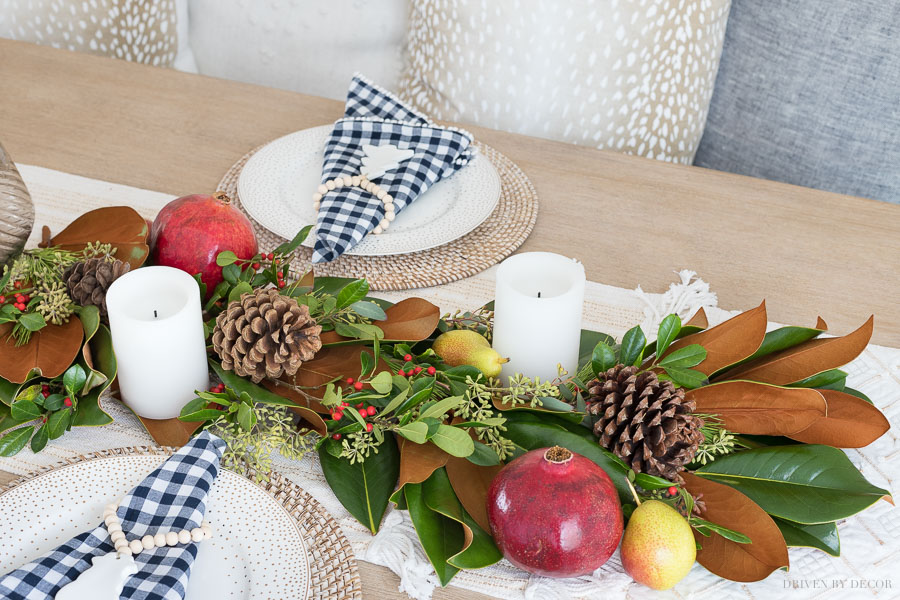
359, 181
148, 542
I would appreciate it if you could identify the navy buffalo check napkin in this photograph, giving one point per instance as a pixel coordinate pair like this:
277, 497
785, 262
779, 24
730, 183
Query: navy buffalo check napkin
373, 119
173, 497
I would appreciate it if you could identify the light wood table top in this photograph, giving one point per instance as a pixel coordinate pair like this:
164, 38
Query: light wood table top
630, 220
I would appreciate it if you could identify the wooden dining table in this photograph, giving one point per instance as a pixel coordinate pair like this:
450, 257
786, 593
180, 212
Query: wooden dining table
630, 220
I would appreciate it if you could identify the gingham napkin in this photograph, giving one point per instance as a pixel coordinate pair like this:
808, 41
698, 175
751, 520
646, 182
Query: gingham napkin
173, 497
374, 118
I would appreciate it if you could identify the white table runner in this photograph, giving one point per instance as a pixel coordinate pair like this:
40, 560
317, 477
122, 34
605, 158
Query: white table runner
870, 541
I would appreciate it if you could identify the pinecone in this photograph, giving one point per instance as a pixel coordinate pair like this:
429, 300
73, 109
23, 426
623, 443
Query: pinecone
265, 334
645, 421
88, 280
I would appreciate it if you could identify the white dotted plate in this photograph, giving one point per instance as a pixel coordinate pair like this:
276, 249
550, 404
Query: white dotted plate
256, 551
277, 183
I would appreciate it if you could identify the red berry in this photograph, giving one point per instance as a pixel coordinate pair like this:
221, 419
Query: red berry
45, 394
18, 285
360, 405
26, 298
67, 402
336, 436
281, 284
276, 261
358, 386
371, 411
336, 415
20, 298
408, 357
431, 370
672, 490
45, 388
401, 373
255, 266
20, 306
271, 256
350, 380
417, 370
368, 427
345, 404
363, 413
2, 299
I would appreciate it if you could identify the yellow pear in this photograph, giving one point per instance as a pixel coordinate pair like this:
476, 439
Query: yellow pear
658, 547
454, 347
487, 360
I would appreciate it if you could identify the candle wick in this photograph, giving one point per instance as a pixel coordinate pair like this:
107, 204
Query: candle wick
154, 314
539, 294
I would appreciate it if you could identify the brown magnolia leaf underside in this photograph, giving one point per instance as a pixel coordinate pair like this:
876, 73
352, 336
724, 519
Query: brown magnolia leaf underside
728, 507
851, 423
50, 350
698, 320
170, 432
120, 226
419, 461
410, 320
307, 409
760, 409
333, 362
471, 483
806, 359
729, 342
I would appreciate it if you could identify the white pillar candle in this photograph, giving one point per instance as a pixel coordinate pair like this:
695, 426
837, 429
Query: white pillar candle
156, 324
537, 313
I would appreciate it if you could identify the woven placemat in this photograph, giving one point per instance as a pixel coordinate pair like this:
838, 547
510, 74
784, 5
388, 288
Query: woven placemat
332, 564
492, 241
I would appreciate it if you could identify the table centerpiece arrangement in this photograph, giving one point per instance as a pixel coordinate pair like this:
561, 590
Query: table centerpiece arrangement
729, 437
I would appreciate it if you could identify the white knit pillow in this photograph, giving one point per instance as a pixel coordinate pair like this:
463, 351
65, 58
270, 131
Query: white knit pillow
634, 76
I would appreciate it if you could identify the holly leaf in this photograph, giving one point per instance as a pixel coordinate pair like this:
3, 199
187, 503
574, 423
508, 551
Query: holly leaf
669, 329
632, 349
15, 440
603, 358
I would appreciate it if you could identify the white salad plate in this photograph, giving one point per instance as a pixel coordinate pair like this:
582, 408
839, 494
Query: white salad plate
277, 183
256, 552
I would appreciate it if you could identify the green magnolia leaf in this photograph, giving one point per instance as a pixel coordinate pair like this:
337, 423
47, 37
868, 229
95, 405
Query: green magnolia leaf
440, 536
8, 390
804, 483
603, 358
364, 488
689, 356
39, 439
483, 455
370, 310
440, 497
288, 247
32, 321
833, 379
239, 290
669, 329
58, 423
782, 339
223, 259
89, 413
352, 292
15, 440
25, 410
857, 393
453, 441
632, 349
823, 536
686, 378
74, 379
440, 408
241, 385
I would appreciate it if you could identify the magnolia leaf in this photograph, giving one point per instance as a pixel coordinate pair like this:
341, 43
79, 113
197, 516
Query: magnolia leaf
49, 352
728, 343
471, 483
729, 508
329, 364
850, 423
698, 320
478, 549
760, 409
102, 372
410, 320
120, 226
801, 483
806, 359
419, 461
440, 536
785, 337
823, 536
832, 379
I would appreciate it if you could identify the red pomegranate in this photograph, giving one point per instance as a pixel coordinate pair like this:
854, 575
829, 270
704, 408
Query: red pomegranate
555, 513
189, 233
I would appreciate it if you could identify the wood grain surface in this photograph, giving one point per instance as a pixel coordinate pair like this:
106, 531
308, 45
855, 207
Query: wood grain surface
630, 220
